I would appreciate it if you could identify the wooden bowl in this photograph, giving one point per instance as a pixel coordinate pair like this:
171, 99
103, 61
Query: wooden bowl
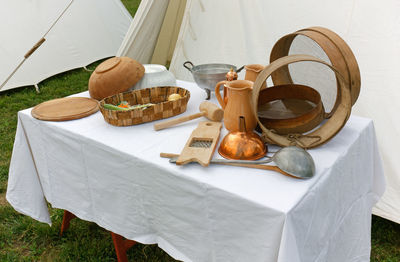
156, 95
113, 76
336, 49
301, 112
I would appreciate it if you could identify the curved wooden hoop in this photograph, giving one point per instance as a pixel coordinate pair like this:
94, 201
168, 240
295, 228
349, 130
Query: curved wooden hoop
338, 52
349, 58
322, 134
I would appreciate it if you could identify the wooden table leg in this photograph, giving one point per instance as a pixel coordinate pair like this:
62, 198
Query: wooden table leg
121, 245
65, 222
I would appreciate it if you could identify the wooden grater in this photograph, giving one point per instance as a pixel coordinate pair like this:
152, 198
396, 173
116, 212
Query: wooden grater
201, 144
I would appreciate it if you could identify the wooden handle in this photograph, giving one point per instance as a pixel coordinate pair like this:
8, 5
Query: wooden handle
168, 155
36, 46
218, 95
176, 121
257, 166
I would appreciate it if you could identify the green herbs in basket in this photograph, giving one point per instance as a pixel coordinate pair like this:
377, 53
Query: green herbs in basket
124, 106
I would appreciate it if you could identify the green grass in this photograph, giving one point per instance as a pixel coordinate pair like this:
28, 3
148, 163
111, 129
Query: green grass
385, 240
24, 239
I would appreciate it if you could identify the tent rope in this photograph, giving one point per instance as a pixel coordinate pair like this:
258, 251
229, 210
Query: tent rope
34, 48
191, 30
58, 18
202, 6
12, 73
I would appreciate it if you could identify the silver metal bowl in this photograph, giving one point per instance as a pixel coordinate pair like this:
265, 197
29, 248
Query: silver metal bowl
207, 76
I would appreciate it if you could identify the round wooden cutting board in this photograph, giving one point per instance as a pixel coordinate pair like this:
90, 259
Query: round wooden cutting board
67, 108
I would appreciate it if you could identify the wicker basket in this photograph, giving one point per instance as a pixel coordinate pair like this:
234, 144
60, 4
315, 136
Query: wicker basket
156, 95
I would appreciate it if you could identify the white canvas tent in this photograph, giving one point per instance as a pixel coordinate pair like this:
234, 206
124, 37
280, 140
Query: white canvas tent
242, 32
76, 32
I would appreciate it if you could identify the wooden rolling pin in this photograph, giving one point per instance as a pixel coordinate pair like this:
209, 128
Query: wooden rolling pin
207, 109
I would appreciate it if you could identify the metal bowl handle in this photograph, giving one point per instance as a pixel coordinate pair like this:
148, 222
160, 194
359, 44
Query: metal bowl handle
240, 69
190, 63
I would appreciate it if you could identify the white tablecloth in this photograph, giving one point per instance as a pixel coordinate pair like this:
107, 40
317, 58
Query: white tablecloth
115, 177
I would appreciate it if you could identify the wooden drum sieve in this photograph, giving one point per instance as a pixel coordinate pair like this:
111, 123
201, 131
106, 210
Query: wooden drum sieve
323, 133
336, 49
301, 111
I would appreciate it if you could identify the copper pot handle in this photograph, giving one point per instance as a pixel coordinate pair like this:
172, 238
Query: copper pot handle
240, 69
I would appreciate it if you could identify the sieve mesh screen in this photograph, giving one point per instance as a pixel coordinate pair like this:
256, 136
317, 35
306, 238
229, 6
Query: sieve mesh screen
315, 75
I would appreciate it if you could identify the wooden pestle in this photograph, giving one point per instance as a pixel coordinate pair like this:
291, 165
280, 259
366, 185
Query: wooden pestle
207, 109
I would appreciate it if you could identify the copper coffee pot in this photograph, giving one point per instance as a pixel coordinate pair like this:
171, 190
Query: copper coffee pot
242, 144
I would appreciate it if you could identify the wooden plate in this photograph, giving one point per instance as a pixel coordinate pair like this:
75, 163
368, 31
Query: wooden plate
67, 108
